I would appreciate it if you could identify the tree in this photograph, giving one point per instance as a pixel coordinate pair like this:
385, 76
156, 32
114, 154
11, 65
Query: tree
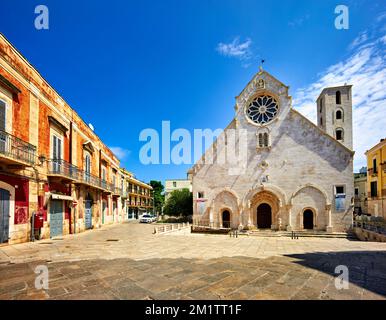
159, 198
179, 203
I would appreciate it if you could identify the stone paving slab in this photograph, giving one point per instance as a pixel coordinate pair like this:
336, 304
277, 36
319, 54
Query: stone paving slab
181, 265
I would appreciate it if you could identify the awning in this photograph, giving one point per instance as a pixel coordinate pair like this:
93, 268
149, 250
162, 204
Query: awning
56, 196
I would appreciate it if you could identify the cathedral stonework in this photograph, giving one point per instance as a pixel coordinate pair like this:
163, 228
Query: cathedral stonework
297, 175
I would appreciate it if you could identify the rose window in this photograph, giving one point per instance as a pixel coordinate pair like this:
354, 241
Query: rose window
263, 109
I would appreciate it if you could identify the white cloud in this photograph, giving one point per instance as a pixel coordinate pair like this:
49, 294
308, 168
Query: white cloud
121, 153
298, 22
236, 49
365, 69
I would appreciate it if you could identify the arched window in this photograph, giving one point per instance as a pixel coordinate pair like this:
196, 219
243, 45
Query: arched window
321, 121
263, 140
339, 115
339, 134
321, 105
338, 97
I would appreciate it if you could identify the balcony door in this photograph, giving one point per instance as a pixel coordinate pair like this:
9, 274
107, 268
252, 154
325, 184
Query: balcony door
2, 127
56, 153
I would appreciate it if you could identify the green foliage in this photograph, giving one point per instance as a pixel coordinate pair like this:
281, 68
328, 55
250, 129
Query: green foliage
159, 198
180, 203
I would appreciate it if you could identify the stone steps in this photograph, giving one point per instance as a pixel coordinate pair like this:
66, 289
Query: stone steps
310, 234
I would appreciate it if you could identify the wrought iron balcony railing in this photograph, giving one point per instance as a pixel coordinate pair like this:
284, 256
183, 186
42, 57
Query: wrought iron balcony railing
16, 148
63, 168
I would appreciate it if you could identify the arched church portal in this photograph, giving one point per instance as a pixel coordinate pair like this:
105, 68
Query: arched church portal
264, 216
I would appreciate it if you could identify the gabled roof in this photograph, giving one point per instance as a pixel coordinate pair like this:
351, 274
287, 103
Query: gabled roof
261, 72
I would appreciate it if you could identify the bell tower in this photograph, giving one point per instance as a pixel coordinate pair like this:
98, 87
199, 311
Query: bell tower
334, 113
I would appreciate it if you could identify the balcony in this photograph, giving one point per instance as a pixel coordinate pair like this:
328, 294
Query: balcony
372, 172
16, 151
63, 169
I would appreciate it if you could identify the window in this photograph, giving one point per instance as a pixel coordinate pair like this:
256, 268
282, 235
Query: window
2, 115
321, 121
375, 170
174, 184
339, 190
87, 164
114, 180
103, 173
338, 97
339, 115
321, 105
263, 140
356, 192
339, 134
56, 148
200, 195
374, 189
263, 109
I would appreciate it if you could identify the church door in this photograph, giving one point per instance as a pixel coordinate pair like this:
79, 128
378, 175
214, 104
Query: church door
308, 219
226, 219
264, 216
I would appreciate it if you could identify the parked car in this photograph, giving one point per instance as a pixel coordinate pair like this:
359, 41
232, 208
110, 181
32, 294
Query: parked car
147, 218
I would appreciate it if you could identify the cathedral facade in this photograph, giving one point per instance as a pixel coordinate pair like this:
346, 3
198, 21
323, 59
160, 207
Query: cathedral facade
293, 174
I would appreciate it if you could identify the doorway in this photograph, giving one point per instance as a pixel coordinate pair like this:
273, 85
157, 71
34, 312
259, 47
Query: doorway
4, 215
264, 216
226, 219
308, 219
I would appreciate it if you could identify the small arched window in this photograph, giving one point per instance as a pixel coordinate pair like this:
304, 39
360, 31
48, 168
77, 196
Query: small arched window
338, 97
339, 134
263, 140
339, 115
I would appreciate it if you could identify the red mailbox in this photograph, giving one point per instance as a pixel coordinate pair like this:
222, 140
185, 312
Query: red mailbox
38, 220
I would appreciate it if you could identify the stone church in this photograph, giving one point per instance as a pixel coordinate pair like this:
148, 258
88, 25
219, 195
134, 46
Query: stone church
297, 175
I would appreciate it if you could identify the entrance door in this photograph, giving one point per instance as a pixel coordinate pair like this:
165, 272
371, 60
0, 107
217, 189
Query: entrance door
56, 218
88, 214
226, 219
264, 216
104, 208
308, 219
4, 215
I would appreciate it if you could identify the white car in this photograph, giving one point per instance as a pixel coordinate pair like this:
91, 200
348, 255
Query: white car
147, 218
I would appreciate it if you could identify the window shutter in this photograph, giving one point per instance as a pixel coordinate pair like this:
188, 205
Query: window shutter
2, 115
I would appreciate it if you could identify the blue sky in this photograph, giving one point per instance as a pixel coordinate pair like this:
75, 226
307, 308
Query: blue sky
127, 65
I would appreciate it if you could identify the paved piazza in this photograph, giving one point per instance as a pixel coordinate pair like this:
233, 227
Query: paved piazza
127, 261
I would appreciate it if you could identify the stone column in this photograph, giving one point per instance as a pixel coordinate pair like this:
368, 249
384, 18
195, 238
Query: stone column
289, 210
249, 214
211, 214
328, 212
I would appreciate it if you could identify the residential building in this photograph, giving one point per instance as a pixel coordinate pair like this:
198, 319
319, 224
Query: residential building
360, 192
290, 173
376, 179
51, 162
140, 198
176, 184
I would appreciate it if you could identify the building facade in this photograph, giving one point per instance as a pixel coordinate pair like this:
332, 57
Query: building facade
51, 162
360, 193
376, 179
176, 184
286, 173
